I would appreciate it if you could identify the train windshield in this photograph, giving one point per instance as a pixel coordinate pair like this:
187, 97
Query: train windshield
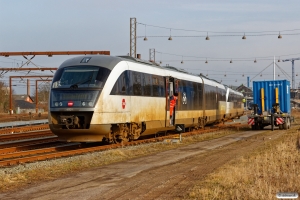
80, 77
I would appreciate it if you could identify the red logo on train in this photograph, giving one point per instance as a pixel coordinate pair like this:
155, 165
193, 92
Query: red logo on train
123, 103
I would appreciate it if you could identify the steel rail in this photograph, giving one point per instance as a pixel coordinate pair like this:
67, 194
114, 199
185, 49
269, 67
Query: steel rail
30, 147
24, 129
41, 151
26, 135
19, 143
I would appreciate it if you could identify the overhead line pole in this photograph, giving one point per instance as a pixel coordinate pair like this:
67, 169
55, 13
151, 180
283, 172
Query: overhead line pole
152, 55
293, 70
274, 69
133, 37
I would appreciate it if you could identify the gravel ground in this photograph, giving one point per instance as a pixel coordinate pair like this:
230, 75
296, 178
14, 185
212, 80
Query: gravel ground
163, 175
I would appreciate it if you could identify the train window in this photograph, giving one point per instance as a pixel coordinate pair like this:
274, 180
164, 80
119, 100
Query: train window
57, 75
121, 86
161, 84
156, 86
223, 95
194, 94
200, 95
137, 83
80, 77
210, 97
102, 76
147, 85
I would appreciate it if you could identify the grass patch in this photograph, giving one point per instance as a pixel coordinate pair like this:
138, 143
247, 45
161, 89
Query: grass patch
273, 168
22, 175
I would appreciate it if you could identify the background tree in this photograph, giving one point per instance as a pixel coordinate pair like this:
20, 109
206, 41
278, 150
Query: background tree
43, 95
4, 97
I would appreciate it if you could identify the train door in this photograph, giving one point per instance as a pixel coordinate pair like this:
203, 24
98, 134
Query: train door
217, 104
171, 99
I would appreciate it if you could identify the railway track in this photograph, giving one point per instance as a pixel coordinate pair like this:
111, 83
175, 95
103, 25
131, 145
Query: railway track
32, 141
14, 156
23, 117
25, 135
24, 129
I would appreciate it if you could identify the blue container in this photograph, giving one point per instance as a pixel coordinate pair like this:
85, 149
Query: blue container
284, 95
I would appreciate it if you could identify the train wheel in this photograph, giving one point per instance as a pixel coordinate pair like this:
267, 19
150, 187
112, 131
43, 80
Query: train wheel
256, 126
119, 133
261, 127
116, 138
285, 125
288, 123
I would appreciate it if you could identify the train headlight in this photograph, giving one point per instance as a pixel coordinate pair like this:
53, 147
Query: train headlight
60, 103
56, 104
90, 103
83, 103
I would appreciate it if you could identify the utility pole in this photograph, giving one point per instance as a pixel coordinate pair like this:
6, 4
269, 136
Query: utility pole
152, 55
293, 70
133, 37
274, 69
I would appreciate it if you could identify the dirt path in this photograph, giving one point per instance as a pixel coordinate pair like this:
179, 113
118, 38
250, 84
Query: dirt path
165, 175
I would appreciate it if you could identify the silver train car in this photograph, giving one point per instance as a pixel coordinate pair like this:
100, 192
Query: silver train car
115, 99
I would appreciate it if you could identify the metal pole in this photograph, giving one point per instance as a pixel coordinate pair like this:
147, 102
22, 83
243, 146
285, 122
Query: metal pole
293, 76
10, 96
133, 37
28, 87
36, 96
248, 81
274, 69
152, 55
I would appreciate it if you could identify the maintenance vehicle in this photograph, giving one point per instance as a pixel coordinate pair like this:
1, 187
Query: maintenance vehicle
271, 105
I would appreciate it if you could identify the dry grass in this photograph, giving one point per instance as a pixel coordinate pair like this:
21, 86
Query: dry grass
258, 175
21, 175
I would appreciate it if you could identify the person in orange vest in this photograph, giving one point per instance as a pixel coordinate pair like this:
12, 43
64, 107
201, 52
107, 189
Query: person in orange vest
173, 100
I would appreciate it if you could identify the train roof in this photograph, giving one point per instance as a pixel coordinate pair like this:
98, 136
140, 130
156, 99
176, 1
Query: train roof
110, 62
98, 60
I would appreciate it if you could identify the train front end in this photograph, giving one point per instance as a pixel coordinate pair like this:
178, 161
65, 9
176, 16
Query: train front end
75, 92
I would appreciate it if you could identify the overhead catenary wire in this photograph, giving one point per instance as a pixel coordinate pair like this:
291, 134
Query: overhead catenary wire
210, 35
204, 58
227, 32
283, 72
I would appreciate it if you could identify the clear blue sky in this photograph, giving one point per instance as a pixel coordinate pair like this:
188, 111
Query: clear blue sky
70, 25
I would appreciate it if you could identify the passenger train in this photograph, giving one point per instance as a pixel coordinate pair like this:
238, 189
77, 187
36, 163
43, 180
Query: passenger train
115, 99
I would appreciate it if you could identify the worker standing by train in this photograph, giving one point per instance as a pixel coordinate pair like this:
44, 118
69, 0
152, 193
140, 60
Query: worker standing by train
173, 100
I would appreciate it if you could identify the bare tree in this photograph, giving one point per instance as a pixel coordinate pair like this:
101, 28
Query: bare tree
4, 97
43, 95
